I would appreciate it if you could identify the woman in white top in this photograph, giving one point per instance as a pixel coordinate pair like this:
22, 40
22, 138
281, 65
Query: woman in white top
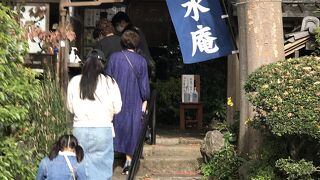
94, 99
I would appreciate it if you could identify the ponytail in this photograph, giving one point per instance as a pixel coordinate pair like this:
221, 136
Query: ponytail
79, 153
66, 141
54, 151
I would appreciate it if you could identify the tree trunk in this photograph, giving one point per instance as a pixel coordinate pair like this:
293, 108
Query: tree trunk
261, 42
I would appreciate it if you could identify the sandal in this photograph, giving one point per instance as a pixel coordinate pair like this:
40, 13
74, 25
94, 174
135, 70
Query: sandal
126, 168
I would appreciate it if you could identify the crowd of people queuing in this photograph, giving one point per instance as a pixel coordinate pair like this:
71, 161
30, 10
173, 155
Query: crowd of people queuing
107, 101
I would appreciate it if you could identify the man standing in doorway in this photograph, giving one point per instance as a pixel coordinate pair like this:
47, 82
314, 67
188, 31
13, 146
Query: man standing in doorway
120, 22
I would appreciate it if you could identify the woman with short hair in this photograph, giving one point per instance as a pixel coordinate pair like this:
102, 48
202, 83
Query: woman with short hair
130, 71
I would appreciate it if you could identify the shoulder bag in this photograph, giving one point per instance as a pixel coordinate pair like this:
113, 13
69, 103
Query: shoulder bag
70, 166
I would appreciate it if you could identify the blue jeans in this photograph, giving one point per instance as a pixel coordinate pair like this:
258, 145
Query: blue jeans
97, 144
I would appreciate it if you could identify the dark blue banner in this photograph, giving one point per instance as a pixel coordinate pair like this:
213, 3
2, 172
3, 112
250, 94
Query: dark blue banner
201, 29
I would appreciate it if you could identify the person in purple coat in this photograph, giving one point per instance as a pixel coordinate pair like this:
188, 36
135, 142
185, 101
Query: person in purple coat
130, 71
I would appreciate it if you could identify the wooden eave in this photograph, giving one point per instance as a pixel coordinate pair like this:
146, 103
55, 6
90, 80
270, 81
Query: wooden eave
77, 2
67, 3
290, 8
35, 1
300, 9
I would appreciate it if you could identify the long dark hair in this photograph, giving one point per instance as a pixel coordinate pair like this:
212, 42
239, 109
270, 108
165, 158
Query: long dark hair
66, 141
91, 70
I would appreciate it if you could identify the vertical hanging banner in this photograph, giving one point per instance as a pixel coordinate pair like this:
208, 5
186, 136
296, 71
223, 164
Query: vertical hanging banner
201, 29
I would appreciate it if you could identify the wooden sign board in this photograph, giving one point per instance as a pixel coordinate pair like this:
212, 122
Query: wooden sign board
190, 89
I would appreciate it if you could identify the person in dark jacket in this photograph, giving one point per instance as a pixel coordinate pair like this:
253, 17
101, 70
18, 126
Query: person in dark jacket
120, 21
109, 41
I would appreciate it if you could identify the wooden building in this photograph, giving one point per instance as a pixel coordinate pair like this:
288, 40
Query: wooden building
153, 18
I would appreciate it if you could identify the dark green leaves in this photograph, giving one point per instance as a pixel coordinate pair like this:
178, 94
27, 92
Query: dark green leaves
288, 94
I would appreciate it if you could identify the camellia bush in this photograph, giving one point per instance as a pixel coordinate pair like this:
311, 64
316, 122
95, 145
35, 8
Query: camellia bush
32, 112
286, 98
296, 169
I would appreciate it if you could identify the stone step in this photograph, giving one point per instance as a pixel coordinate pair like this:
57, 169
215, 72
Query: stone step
176, 156
178, 140
187, 175
118, 176
169, 165
164, 165
177, 176
172, 150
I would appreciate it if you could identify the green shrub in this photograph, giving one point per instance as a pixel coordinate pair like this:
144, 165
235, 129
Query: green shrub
18, 90
263, 173
50, 118
168, 98
32, 113
223, 165
213, 77
286, 96
262, 163
296, 169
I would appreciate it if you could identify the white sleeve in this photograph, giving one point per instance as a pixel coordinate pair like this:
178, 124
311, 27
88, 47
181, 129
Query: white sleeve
116, 97
70, 97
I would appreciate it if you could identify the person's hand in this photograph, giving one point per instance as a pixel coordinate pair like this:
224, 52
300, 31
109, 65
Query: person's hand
144, 106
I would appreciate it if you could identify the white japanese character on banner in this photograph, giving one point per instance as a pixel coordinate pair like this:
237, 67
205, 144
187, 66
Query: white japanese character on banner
195, 7
202, 39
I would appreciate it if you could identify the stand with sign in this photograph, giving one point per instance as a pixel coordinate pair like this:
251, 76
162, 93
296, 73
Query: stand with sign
190, 101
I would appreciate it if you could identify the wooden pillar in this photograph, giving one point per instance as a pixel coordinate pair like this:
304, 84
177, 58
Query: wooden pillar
63, 52
233, 90
260, 42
